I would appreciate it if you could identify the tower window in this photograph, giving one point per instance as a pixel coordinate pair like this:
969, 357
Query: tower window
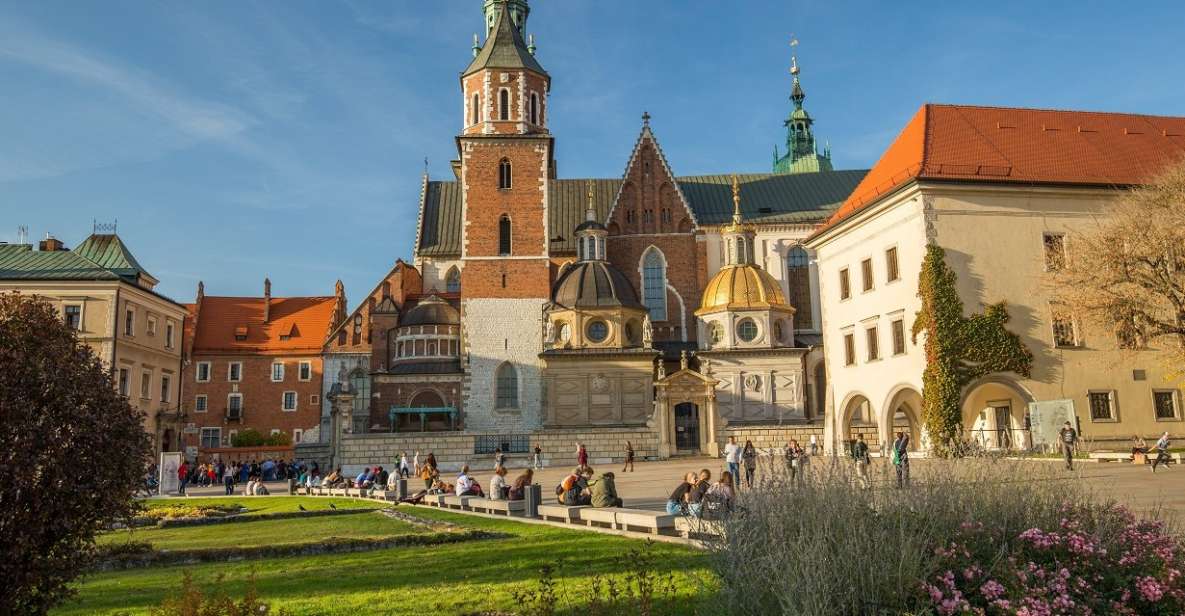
452, 281
504, 174
534, 108
507, 384
475, 112
504, 236
654, 284
504, 104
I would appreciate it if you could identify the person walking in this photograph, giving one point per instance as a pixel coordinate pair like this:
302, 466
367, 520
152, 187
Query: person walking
900, 453
749, 456
732, 456
538, 457
404, 469
629, 457
1162, 451
860, 457
581, 455
415, 461
499, 457
1069, 438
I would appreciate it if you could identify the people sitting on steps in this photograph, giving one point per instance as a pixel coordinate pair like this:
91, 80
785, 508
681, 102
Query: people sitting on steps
466, 485
603, 492
334, 479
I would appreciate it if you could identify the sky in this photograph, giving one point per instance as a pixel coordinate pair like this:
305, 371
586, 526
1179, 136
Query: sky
234, 140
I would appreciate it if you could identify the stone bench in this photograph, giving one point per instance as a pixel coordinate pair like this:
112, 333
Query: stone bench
1147, 458
654, 522
561, 513
457, 502
506, 507
694, 527
435, 500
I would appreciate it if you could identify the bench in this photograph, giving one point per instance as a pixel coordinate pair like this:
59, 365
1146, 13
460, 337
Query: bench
1146, 458
594, 516
456, 502
694, 527
620, 518
561, 513
505, 507
435, 500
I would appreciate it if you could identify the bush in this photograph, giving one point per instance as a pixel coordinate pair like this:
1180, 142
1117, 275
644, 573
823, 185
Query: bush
173, 511
827, 546
253, 438
74, 453
193, 601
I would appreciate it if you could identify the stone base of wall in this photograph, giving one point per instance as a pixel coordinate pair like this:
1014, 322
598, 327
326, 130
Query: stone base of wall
321, 453
455, 449
774, 437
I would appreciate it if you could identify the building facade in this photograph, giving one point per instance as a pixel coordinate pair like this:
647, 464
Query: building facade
108, 298
1001, 191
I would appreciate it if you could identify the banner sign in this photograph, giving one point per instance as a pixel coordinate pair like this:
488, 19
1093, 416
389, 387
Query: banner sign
1047, 417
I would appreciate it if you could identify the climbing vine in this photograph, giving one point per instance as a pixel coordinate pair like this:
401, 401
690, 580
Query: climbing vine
959, 349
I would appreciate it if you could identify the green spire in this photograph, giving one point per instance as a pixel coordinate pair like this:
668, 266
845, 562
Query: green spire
519, 10
802, 156
504, 46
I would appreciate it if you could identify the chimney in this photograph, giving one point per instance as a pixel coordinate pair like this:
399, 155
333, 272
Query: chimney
267, 300
51, 244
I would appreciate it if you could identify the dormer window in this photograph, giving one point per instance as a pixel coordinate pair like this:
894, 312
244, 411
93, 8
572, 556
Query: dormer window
241, 333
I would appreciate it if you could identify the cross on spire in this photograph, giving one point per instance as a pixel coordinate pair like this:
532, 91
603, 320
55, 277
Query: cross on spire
645, 118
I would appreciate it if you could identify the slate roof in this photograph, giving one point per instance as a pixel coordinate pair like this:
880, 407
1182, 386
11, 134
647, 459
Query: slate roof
765, 198
98, 257
504, 48
1026, 146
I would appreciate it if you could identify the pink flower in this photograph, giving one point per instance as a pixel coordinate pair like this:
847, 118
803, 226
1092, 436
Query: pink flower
992, 589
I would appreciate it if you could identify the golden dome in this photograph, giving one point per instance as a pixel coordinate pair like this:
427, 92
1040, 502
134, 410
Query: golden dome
742, 287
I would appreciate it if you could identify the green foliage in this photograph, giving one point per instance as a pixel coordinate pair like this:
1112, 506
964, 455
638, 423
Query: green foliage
253, 438
193, 601
959, 349
74, 453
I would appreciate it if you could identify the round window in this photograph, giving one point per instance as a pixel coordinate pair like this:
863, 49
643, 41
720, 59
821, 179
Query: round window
716, 333
597, 331
747, 330
565, 332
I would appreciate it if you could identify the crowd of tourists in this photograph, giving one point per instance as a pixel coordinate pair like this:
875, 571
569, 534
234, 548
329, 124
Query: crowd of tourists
250, 474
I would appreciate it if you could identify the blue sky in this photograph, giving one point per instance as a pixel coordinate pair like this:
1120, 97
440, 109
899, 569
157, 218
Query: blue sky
235, 140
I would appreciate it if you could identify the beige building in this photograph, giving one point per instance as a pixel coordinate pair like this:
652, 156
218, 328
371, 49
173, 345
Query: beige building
1001, 191
108, 297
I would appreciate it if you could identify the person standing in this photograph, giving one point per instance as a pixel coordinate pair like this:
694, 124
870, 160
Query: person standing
749, 456
814, 445
228, 479
1162, 451
732, 455
183, 476
415, 461
1069, 438
629, 457
860, 456
901, 459
499, 458
794, 456
581, 455
404, 469
538, 456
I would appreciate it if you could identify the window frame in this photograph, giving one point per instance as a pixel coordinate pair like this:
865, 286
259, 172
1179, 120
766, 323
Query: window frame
659, 312
504, 105
150, 326
305, 366
897, 327
533, 109
170, 333
1045, 251
230, 372
892, 265
849, 348
505, 174
297, 436
216, 431
1174, 398
873, 343
1057, 314
66, 316
129, 321
237, 395
506, 394
280, 377
284, 401
123, 377
845, 284
197, 372
146, 384
867, 276
166, 388
204, 403
1112, 405
756, 330
505, 238
475, 114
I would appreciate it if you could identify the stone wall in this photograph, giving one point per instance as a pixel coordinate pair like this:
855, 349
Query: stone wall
453, 449
774, 437
501, 331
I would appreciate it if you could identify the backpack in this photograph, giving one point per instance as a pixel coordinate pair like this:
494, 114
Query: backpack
559, 489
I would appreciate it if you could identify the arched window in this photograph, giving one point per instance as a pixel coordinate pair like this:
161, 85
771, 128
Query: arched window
534, 108
504, 104
507, 378
360, 385
504, 174
798, 283
591, 251
452, 281
741, 250
654, 284
475, 112
504, 238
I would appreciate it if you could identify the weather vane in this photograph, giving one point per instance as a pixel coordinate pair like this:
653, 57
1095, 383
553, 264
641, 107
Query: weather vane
793, 57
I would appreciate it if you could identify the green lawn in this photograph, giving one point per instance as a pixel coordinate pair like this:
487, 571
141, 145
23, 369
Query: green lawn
266, 532
445, 579
258, 505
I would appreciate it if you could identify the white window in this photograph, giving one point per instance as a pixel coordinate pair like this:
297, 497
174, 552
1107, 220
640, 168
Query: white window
297, 435
277, 372
203, 372
150, 329
1102, 405
165, 384
306, 371
146, 385
289, 401
129, 322
200, 404
234, 371
211, 438
234, 406
73, 317
169, 329
654, 284
1165, 404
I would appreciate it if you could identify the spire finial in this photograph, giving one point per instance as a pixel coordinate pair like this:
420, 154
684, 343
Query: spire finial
736, 200
476, 45
591, 214
531, 45
646, 118
793, 56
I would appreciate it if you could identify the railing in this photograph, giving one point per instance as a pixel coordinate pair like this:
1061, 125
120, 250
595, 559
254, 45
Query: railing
422, 412
508, 443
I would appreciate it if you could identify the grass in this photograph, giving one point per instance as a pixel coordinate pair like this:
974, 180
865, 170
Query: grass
447, 579
271, 504
265, 532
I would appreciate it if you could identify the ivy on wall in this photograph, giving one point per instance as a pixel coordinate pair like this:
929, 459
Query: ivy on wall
959, 349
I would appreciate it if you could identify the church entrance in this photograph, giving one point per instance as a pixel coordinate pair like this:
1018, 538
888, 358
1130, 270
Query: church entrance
687, 428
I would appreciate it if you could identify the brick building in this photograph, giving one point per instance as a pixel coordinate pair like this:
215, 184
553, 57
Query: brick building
255, 363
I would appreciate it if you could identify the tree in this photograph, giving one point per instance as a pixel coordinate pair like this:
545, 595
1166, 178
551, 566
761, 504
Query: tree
73, 454
959, 349
1127, 272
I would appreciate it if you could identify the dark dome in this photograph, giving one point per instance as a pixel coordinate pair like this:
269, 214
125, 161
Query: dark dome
593, 284
431, 311
590, 224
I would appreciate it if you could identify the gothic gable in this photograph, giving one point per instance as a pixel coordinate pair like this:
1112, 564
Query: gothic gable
650, 200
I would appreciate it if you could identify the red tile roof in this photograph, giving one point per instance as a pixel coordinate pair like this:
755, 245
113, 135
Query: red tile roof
1025, 146
295, 324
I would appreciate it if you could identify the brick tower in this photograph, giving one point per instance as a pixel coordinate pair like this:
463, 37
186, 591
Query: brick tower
505, 162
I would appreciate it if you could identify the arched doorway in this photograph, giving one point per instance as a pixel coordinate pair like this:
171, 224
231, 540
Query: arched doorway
687, 437
858, 419
994, 414
903, 414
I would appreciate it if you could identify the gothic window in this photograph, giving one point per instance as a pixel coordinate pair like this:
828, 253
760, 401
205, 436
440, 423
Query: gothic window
798, 281
504, 104
534, 108
504, 239
666, 215
475, 112
629, 216
648, 216
654, 284
507, 379
504, 174
360, 386
452, 281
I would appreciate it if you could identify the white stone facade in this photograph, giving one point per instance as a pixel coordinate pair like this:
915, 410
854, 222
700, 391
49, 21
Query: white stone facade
498, 331
334, 363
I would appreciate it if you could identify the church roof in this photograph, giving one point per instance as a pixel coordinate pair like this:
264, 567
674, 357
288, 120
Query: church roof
742, 287
504, 48
594, 284
102, 256
1004, 145
769, 199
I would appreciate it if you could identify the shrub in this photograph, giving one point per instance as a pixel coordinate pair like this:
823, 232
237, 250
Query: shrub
193, 601
173, 511
254, 438
74, 453
827, 546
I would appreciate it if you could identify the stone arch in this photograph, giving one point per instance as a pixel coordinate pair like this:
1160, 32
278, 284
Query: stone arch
902, 412
994, 411
428, 397
858, 416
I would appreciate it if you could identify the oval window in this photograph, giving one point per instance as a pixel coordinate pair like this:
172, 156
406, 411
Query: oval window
597, 331
747, 330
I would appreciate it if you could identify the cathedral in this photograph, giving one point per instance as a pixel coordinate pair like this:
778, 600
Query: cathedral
671, 310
